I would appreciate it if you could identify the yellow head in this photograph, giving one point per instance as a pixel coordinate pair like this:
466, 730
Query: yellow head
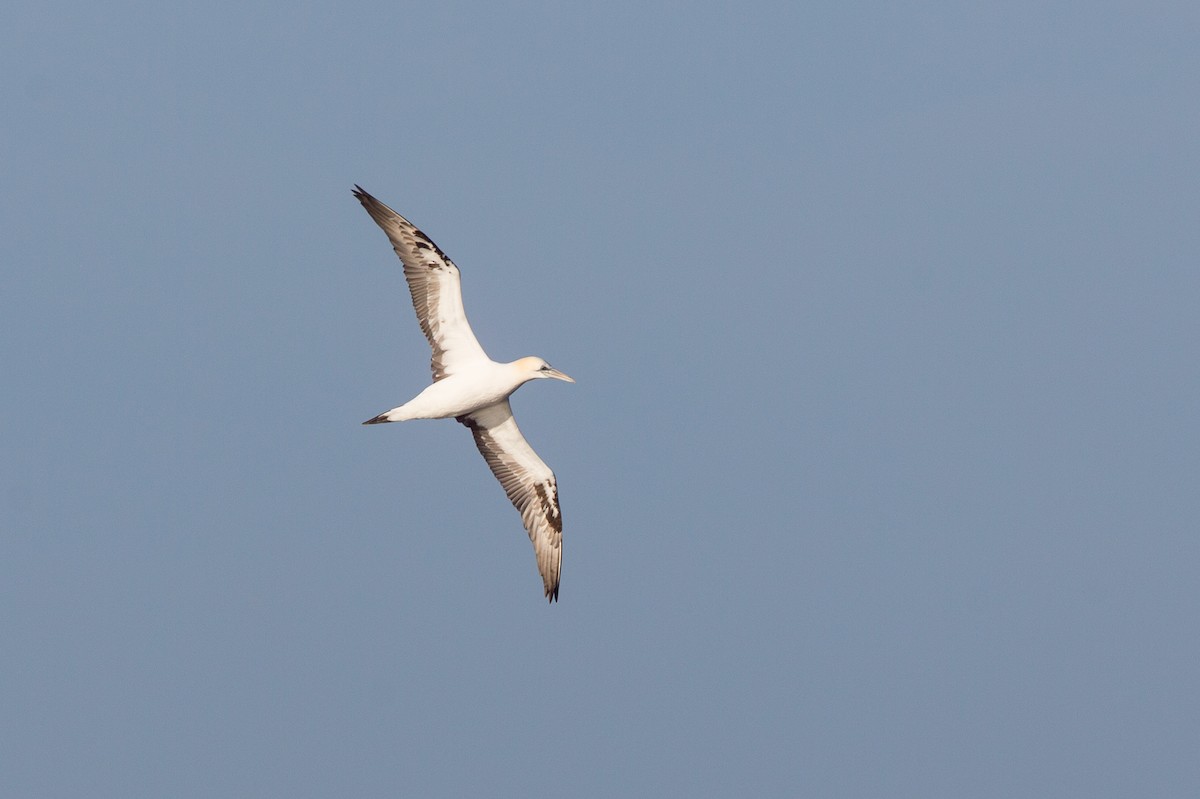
534, 368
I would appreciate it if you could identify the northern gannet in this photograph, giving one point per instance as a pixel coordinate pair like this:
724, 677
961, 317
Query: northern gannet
472, 388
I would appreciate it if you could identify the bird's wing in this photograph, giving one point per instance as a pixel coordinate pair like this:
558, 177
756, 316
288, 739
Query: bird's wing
436, 289
528, 482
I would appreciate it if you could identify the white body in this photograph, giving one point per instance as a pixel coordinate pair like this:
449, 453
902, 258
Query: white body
464, 392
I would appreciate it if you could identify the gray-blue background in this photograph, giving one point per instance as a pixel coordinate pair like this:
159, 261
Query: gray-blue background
881, 476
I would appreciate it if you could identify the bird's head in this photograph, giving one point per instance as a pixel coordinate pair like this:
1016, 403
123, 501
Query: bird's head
534, 368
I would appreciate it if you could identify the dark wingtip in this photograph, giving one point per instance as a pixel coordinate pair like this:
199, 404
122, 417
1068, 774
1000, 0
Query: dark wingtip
552, 594
378, 211
378, 419
362, 195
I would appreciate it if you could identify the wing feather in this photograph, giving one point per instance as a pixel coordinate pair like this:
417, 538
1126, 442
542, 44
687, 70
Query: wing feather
436, 288
528, 482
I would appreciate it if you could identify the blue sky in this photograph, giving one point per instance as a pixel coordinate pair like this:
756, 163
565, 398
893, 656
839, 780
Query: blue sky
881, 474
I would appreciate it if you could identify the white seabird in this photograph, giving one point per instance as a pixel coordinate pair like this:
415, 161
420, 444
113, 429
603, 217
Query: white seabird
472, 388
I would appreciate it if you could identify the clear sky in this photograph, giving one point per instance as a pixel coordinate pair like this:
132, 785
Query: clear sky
881, 477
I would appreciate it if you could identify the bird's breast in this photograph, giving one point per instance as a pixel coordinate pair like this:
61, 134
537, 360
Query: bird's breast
463, 393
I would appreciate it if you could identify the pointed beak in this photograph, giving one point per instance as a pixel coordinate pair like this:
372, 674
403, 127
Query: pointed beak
552, 372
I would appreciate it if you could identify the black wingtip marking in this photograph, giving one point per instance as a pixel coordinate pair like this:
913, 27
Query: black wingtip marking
378, 419
364, 197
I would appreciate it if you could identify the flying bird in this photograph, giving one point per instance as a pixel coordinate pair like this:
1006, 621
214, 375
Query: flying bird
471, 388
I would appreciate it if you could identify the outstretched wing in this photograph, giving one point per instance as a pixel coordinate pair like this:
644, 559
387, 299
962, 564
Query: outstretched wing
528, 482
436, 289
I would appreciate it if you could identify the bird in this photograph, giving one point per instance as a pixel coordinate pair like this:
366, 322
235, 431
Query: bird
472, 389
